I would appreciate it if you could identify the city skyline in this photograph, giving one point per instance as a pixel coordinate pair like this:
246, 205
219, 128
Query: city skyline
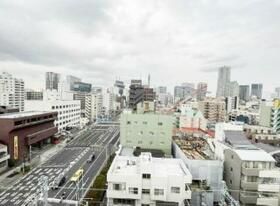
103, 40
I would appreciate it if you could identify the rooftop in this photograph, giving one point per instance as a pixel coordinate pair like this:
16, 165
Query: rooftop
22, 114
194, 147
236, 138
254, 155
130, 165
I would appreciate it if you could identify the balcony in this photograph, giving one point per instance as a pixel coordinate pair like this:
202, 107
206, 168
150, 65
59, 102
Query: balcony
273, 173
269, 187
248, 197
268, 200
250, 171
249, 185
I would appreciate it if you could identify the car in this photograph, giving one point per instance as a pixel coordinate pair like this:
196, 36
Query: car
78, 174
58, 182
91, 158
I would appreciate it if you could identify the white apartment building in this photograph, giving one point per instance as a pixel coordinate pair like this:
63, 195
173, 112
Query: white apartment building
4, 156
252, 177
69, 111
144, 180
94, 106
11, 91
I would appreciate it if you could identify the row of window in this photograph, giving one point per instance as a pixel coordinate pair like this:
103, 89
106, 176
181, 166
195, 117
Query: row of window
141, 142
65, 106
69, 111
144, 122
135, 190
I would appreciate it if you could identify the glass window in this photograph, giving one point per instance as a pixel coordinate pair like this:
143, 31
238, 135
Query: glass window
146, 176
145, 191
133, 190
158, 192
175, 190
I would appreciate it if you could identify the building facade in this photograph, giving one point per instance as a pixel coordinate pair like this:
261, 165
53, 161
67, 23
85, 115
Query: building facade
68, 111
11, 91
52, 80
4, 157
33, 95
223, 85
213, 110
244, 93
252, 176
256, 90
201, 91
94, 106
20, 130
147, 131
234, 89
145, 180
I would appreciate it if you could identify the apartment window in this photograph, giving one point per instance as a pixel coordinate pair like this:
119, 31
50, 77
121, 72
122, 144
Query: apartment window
133, 190
232, 156
187, 188
146, 176
230, 181
145, 122
175, 190
160, 124
128, 122
53, 107
146, 191
158, 192
231, 169
117, 187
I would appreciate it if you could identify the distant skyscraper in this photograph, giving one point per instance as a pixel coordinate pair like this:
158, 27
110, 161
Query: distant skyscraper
244, 93
277, 92
256, 90
11, 91
149, 80
223, 86
234, 89
184, 91
201, 91
71, 80
52, 80
161, 90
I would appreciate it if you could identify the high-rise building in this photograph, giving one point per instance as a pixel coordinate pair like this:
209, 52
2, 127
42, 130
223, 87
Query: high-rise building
244, 93
52, 80
277, 92
223, 86
201, 91
161, 90
270, 115
185, 90
11, 91
234, 89
213, 110
256, 90
71, 80
232, 103
94, 106
136, 93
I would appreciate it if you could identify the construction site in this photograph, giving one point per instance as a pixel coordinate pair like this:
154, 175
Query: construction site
196, 148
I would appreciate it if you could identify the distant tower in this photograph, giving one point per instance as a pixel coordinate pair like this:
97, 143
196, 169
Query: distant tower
149, 80
223, 86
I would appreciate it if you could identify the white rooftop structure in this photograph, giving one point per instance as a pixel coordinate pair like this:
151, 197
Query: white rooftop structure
254, 155
146, 180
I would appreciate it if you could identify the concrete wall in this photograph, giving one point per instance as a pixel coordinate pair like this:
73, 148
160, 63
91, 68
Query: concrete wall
209, 170
149, 131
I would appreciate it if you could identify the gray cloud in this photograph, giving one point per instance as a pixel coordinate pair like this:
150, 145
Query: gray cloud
101, 39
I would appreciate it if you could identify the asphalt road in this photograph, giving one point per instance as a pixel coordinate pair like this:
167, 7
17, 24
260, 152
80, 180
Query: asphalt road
97, 139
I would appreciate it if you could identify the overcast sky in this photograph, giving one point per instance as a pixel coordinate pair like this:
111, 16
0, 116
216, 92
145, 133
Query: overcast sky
174, 40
